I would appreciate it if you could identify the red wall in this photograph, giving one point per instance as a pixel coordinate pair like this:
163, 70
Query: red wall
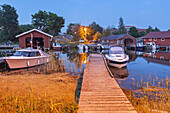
37, 35
159, 42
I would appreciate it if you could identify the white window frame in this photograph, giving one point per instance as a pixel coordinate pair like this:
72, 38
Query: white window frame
155, 39
162, 39
102, 40
111, 41
154, 56
161, 57
144, 39
107, 40
150, 39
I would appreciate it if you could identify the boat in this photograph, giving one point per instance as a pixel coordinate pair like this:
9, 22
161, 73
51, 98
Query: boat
56, 46
26, 58
117, 57
139, 46
150, 46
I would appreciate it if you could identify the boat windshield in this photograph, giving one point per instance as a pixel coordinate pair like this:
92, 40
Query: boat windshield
116, 52
26, 53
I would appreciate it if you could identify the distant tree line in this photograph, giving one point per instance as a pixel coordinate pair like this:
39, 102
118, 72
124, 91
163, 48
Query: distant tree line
96, 31
9, 25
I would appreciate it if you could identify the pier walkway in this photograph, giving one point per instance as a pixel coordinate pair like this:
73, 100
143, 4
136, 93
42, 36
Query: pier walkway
100, 93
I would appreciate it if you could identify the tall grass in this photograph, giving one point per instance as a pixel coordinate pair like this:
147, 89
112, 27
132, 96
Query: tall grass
46, 92
149, 98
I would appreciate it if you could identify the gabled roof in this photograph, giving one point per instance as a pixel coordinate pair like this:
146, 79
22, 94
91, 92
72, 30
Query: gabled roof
32, 31
113, 37
163, 34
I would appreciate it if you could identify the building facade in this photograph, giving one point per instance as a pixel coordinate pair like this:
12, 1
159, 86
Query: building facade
124, 40
34, 39
160, 39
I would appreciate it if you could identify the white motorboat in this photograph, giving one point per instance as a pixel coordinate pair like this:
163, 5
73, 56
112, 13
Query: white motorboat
117, 57
25, 58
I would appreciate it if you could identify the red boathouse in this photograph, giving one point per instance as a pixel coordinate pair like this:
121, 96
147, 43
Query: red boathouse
160, 39
34, 38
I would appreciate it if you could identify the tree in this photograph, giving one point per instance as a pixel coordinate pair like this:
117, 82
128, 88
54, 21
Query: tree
149, 29
142, 33
97, 36
133, 32
54, 23
106, 32
79, 33
48, 22
156, 29
69, 28
96, 27
121, 27
39, 20
8, 22
24, 28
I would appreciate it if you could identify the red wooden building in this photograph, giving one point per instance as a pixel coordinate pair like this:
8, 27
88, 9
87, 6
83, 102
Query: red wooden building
161, 39
34, 38
123, 40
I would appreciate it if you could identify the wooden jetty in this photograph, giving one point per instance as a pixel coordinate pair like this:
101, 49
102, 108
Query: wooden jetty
100, 93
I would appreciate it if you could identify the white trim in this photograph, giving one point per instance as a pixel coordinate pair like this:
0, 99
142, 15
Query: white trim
162, 38
155, 39
33, 30
161, 57
150, 39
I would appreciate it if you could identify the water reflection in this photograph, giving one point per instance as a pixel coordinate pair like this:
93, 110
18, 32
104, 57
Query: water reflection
144, 68
119, 74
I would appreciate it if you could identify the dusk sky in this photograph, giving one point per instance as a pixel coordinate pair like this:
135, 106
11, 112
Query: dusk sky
139, 13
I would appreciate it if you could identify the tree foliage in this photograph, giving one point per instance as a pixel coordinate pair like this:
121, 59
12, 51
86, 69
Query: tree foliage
150, 29
8, 22
69, 28
48, 22
79, 33
133, 32
24, 28
97, 36
96, 27
121, 27
106, 32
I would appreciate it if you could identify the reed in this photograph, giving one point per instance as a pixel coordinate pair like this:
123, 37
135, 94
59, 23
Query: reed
150, 98
43, 93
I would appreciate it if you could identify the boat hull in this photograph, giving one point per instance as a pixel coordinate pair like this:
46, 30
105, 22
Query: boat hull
26, 63
116, 64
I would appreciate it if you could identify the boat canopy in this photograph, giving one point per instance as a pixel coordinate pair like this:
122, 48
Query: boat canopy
116, 50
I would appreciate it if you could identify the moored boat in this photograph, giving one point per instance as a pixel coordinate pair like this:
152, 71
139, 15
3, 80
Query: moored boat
117, 57
25, 58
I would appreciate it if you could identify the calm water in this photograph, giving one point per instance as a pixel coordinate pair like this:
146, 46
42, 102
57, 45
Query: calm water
152, 67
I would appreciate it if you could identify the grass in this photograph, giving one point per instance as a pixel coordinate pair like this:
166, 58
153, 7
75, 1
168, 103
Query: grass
150, 99
30, 92
51, 90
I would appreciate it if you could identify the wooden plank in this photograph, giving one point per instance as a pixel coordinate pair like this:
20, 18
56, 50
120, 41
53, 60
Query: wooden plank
100, 93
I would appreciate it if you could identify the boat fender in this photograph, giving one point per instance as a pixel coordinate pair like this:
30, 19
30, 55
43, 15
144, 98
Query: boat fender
38, 61
28, 63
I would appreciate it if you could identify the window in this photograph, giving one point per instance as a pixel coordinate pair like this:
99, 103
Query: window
102, 40
111, 41
107, 40
162, 39
154, 56
154, 39
144, 40
161, 57
150, 39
